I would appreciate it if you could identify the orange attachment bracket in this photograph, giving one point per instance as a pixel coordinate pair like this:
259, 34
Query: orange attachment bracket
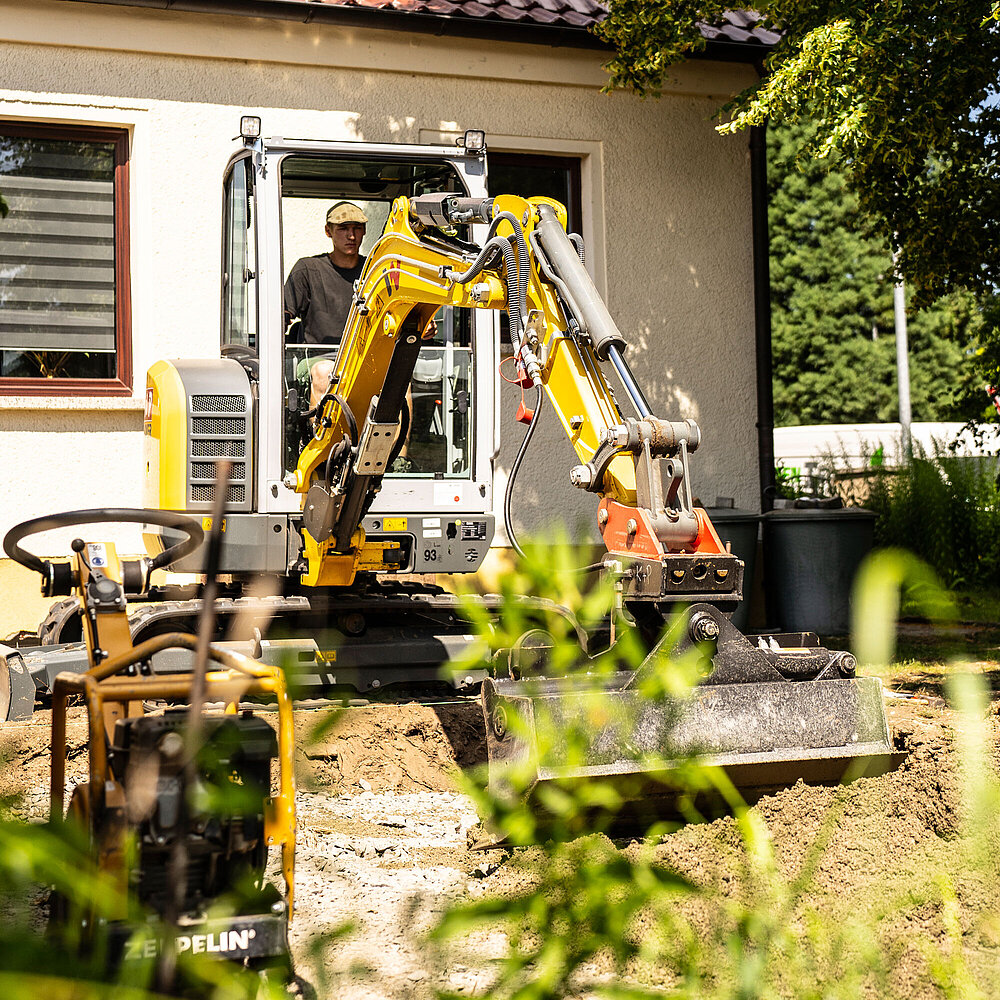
628, 531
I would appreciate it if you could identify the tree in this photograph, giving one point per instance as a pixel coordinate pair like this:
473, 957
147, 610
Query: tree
905, 92
832, 307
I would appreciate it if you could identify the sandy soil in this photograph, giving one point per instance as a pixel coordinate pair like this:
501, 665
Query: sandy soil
383, 841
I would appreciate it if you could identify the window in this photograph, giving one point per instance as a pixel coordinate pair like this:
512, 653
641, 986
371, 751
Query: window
64, 271
530, 174
239, 292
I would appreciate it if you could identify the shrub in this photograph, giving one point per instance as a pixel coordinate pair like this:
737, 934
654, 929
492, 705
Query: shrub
944, 508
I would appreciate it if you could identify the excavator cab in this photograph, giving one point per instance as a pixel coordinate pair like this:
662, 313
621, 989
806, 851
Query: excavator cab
434, 509
438, 439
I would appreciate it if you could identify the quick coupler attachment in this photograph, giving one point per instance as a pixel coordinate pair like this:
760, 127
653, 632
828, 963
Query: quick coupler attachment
687, 578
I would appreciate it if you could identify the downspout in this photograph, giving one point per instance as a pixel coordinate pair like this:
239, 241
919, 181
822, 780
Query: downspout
762, 314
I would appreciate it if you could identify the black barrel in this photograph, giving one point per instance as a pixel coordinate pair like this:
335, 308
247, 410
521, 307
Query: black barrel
811, 557
739, 528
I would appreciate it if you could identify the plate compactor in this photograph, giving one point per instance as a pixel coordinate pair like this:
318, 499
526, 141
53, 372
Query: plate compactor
178, 805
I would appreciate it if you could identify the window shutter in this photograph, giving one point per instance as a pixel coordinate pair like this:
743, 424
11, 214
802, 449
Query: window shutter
57, 251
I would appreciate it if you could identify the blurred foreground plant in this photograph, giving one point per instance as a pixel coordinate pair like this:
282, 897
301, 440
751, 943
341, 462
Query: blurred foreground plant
598, 918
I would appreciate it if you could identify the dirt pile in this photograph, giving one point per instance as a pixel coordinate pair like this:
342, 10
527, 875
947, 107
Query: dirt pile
383, 842
390, 748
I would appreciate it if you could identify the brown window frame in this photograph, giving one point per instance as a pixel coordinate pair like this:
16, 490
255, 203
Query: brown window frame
121, 385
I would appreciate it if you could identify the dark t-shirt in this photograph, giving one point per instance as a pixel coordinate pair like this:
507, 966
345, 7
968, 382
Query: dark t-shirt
320, 294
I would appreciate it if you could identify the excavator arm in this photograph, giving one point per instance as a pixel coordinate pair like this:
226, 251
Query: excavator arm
562, 334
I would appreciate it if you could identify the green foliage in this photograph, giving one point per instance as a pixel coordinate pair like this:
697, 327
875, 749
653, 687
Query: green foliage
944, 508
899, 90
614, 921
986, 360
833, 336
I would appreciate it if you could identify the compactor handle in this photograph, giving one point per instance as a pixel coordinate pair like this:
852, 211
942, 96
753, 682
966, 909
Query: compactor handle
107, 515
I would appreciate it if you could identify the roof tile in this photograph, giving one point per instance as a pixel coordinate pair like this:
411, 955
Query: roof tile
509, 13
736, 26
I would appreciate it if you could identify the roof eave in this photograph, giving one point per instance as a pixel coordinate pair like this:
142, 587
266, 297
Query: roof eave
369, 17
531, 33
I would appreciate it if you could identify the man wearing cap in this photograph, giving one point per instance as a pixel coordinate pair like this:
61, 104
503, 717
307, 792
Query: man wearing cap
319, 292
319, 289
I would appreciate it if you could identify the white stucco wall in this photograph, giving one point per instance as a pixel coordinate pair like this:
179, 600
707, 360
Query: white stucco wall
666, 205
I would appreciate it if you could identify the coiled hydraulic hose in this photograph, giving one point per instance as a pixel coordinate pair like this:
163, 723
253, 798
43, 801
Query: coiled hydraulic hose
494, 247
523, 261
517, 268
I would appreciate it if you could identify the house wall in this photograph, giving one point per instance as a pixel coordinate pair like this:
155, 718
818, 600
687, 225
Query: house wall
666, 200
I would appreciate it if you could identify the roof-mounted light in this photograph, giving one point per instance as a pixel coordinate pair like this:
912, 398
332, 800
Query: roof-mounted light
474, 140
249, 127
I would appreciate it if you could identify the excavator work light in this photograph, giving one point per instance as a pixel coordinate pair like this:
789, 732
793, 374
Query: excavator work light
474, 140
250, 127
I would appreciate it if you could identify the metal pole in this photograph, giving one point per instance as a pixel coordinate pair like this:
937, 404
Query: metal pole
902, 361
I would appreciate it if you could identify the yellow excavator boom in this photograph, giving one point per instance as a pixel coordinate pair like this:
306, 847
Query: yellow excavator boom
561, 331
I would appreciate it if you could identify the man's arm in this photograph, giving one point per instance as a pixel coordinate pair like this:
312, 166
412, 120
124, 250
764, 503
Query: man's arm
296, 298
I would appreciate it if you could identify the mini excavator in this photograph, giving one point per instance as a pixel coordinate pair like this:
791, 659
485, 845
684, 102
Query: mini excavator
320, 506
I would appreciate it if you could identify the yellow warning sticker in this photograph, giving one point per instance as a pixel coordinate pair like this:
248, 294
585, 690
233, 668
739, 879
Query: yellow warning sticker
206, 524
394, 524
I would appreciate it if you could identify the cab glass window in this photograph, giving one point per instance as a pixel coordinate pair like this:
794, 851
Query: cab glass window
239, 266
439, 441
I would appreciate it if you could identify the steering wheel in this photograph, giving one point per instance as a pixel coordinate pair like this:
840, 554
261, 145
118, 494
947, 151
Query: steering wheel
193, 532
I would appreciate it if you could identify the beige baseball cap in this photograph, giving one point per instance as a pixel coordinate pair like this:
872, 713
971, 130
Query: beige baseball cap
345, 211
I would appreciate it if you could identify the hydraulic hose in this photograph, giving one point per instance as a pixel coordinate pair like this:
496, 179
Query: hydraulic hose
491, 249
516, 290
508, 522
352, 423
523, 261
513, 273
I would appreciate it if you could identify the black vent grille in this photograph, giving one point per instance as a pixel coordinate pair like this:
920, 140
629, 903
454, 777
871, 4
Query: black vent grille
218, 404
206, 470
218, 425
205, 493
216, 435
218, 449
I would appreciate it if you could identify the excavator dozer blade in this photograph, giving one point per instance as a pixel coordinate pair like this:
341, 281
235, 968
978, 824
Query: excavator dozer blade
765, 734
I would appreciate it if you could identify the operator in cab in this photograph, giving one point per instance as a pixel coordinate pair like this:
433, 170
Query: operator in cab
319, 291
